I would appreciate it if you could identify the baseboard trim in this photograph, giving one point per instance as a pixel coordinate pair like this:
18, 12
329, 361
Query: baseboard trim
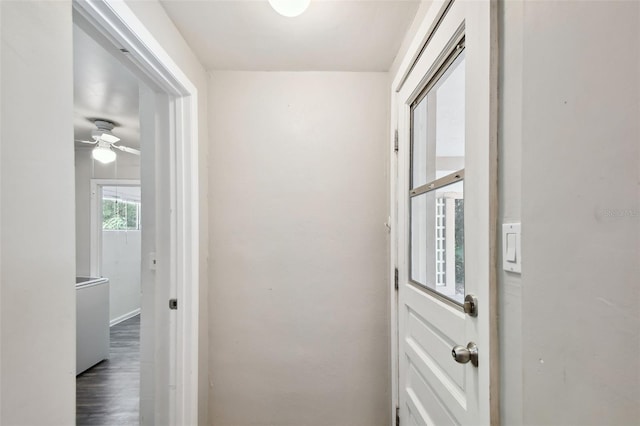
124, 317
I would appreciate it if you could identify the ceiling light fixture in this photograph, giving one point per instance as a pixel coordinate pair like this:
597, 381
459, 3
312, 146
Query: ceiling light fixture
103, 131
103, 153
289, 8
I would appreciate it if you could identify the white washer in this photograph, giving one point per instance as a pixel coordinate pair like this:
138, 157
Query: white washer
92, 322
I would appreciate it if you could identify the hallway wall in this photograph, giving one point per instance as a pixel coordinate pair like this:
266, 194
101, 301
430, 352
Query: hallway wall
299, 298
37, 280
121, 262
580, 212
568, 157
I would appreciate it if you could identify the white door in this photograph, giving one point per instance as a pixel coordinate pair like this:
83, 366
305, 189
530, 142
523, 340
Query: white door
446, 224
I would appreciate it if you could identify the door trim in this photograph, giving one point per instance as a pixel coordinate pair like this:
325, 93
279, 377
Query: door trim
427, 28
115, 21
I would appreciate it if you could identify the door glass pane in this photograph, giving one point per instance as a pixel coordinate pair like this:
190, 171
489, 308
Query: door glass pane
437, 240
437, 127
437, 216
422, 230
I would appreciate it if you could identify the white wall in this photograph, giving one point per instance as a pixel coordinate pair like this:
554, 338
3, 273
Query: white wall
121, 263
569, 132
155, 19
299, 325
580, 161
126, 166
37, 226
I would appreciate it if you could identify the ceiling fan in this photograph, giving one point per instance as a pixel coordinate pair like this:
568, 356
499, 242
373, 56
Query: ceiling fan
105, 141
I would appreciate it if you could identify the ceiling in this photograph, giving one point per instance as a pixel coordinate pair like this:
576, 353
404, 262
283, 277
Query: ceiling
103, 88
331, 35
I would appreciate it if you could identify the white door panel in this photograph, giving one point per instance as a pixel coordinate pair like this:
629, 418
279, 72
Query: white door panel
430, 329
449, 237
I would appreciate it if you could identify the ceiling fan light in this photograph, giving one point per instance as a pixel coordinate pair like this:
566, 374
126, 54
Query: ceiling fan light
289, 8
103, 154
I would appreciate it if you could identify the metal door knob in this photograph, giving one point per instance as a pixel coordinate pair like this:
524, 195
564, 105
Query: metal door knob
471, 305
465, 354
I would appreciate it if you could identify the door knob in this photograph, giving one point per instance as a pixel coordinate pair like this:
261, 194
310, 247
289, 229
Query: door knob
471, 305
465, 354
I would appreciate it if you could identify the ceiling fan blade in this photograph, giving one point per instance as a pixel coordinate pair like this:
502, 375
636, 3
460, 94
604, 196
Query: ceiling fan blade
90, 142
108, 137
127, 149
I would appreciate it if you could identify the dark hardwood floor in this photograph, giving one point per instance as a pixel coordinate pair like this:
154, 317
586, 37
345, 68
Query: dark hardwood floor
109, 392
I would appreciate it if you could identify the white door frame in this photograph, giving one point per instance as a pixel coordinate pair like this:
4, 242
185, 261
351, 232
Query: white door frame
117, 23
423, 36
96, 219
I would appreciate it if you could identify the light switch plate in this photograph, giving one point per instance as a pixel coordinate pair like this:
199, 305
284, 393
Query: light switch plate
511, 251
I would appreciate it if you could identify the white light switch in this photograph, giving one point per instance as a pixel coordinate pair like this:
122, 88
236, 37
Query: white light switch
511, 248
511, 254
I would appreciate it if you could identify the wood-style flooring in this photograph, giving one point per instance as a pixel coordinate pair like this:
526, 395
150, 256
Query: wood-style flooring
108, 394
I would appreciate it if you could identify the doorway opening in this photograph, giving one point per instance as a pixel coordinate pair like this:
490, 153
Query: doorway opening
168, 105
109, 233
